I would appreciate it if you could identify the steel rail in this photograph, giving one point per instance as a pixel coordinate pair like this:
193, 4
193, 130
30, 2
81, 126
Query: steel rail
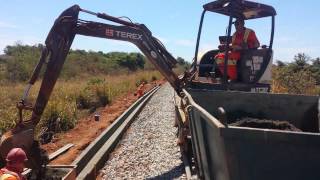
88, 163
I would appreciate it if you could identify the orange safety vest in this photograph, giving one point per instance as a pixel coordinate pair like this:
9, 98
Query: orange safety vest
5, 174
232, 65
244, 39
233, 56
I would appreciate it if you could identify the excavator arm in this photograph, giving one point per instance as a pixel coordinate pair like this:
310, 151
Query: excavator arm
58, 44
68, 25
137, 34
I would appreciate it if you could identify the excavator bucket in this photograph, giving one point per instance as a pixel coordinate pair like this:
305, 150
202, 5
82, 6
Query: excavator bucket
57, 47
22, 138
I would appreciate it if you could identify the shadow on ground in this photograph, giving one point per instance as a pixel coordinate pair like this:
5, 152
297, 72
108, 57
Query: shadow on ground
174, 173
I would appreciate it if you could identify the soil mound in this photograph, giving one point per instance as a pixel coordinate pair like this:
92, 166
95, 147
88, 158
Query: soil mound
265, 124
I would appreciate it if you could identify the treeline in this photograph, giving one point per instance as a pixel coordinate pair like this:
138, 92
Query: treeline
18, 62
301, 76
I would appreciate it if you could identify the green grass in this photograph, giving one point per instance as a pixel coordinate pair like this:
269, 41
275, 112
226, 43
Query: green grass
97, 91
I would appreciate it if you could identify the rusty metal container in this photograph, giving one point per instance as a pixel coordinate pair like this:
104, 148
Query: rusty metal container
224, 152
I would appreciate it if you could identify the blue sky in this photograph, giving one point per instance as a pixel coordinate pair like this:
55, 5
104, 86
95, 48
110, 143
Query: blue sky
174, 22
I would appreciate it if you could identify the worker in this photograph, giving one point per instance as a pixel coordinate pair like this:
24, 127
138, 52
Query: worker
140, 90
244, 38
14, 165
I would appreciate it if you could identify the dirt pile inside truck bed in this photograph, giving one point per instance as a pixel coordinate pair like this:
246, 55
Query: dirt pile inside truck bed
265, 124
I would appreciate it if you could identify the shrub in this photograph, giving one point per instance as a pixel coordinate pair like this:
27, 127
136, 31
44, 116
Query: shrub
93, 95
102, 96
70, 99
63, 109
141, 80
153, 78
292, 81
82, 101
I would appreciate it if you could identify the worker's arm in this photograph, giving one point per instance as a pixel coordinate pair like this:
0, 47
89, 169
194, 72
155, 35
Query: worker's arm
253, 41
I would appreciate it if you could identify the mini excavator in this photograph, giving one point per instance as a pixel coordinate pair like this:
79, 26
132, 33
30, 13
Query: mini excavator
67, 25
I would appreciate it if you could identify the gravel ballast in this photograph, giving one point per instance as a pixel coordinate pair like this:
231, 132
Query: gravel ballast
148, 150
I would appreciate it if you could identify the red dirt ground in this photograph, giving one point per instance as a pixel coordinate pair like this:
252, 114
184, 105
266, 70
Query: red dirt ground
87, 129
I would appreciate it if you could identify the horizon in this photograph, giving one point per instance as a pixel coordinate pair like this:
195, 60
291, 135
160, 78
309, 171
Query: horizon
175, 25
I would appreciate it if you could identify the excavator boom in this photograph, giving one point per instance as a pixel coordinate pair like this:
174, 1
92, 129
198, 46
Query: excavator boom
58, 44
68, 25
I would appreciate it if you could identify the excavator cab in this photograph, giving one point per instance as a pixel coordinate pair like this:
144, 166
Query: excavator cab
254, 66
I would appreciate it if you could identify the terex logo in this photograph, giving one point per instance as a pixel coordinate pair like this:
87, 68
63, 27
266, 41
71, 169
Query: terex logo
121, 34
109, 32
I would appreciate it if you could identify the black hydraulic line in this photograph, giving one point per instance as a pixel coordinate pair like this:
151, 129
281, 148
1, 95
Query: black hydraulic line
37, 69
137, 34
226, 56
35, 75
58, 44
170, 60
61, 36
109, 18
142, 38
198, 38
272, 32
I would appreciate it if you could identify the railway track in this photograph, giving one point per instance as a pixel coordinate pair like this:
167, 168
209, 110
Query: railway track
94, 157
149, 148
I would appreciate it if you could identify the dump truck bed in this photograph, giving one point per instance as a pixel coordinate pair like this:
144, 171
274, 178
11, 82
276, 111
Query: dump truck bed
227, 152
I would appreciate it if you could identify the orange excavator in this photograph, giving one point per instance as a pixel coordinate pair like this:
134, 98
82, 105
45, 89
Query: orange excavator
59, 41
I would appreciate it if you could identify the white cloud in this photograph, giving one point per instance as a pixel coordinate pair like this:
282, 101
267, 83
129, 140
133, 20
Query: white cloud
185, 42
7, 25
174, 15
284, 39
27, 40
5, 41
99, 44
37, 20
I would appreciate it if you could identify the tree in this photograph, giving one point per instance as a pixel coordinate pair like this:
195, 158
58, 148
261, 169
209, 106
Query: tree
301, 59
180, 60
297, 77
132, 61
316, 62
280, 63
315, 69
140, 60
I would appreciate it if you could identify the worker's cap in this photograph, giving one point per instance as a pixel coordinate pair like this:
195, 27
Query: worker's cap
16, 155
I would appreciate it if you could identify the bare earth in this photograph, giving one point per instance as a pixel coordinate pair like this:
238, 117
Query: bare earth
87, 129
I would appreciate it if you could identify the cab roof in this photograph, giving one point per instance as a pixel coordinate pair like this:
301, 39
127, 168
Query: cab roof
240, 9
